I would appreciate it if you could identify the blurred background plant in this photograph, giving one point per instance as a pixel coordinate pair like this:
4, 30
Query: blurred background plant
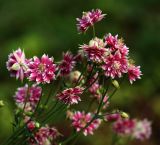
50, 27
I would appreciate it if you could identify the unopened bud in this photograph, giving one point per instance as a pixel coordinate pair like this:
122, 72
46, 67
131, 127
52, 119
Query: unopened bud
124, 115
29, 113
74, 76
1, 103
37, 125
15, 67
115, 84
93, 43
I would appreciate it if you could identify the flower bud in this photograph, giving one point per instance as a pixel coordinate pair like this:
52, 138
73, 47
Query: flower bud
1, 103
29, 113
74, 76
112, 117
96, 42
115, 84
37, 124
93, 43
124, 115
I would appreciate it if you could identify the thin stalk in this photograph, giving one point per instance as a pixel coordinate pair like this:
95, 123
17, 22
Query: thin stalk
90, 104
114, 139
48, 117
81, 74
94, 32
91, 84
90, 74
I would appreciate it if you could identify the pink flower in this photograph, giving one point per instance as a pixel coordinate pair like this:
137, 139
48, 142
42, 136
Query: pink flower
66, 64
31, 125
134, 73
94, 88
95, 51
80, 121
124, 126
142, 129
70, 96
115, 65
34, 93
88, 19
45, 135
116, 44
17, 64
42, 70
111, 40
112, 117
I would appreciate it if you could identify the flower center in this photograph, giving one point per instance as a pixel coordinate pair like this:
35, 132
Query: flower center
116, 65
83, 122
41, 67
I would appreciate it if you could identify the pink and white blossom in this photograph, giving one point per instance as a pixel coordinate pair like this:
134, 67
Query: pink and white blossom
142, 130
67, 64
112, 117
30, 94
17, 64
89, 19
115, 65
44, 136
71, 95
42, 70
114, 44
124, 126
95, 51
134, 73
80, 122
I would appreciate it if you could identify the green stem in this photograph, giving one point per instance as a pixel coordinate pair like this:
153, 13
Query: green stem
114, 139
90, 104
94, 32
49, 115
84, 69
91, 84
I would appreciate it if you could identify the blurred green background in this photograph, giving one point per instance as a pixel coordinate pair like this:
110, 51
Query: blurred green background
49, 26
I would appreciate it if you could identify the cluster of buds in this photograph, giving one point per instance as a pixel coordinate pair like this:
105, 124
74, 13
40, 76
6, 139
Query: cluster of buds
94, 72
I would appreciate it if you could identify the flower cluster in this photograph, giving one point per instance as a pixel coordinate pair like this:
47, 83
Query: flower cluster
112, 55
138, 129
94, 71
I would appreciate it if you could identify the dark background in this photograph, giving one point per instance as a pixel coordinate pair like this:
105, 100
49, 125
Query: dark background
49, 26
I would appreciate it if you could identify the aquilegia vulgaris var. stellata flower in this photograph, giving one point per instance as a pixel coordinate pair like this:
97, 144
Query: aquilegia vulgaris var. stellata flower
53, 91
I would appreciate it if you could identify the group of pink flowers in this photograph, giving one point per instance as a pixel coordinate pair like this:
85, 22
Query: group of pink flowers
105, 58
138, 129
